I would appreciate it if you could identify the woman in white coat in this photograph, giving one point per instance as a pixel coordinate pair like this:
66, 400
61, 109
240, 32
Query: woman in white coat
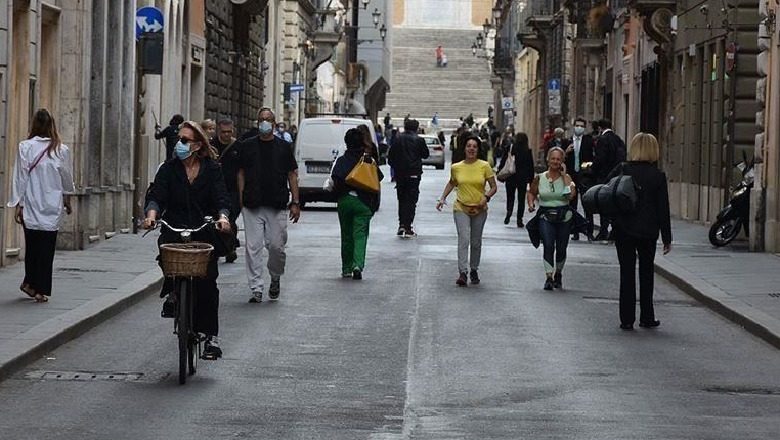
42, 185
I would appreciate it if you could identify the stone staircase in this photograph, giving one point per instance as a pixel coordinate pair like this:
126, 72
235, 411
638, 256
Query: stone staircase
420, 88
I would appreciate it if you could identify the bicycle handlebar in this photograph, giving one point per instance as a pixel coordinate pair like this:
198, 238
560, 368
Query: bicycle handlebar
209, 221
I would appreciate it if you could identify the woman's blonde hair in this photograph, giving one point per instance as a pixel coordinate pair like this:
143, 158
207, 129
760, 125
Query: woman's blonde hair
644, 148
207, 124
206, 148
558, 149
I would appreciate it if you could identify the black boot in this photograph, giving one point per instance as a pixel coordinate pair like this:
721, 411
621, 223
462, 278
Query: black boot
558, 280
508, 217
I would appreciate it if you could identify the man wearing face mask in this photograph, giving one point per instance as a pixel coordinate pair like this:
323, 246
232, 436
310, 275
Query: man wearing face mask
281, 132
579, 150
267, 178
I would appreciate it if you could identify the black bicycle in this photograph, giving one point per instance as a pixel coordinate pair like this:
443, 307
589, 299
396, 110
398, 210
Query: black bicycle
183, 262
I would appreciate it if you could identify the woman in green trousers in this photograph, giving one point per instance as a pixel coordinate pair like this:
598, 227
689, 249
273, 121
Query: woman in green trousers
355, 207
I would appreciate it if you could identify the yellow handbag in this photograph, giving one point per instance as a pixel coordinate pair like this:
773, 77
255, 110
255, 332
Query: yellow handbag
364, 176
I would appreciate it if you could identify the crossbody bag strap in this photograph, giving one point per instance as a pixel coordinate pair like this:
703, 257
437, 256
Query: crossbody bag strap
37, 159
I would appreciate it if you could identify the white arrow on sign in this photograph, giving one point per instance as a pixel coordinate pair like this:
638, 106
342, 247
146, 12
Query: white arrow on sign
154, 27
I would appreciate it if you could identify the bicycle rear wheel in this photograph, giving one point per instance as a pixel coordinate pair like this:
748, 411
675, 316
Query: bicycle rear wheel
185, 324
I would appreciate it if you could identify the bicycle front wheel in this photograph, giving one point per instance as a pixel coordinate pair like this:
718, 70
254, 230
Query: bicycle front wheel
184, 328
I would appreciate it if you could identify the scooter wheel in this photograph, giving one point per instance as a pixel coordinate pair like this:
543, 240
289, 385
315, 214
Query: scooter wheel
723, 232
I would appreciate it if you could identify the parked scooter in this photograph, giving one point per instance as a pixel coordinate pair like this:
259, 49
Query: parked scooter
735, 214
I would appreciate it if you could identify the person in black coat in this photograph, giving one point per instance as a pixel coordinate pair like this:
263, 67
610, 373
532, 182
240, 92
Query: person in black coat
636, 234
405, 156
356, 207
185, 190
170, 134
579, 150
518, 182
610, 151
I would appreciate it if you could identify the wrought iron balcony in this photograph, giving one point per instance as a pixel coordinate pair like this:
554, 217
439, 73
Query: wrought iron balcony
503, 60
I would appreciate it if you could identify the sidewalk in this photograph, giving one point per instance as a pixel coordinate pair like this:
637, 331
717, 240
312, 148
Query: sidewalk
89, 287
93, 285
740, 285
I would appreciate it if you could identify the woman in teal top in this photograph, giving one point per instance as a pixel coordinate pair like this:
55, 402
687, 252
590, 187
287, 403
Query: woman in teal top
554, 189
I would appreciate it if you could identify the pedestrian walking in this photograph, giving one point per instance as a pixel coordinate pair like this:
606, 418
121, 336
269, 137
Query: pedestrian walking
186, 189
170, 134
636, 234
518, 182
470, 209
368, 142
435, 120
579, 150
267, 178
439, 54
228, 158
281, 132
209, 127
405, 156
356, 207
41, 191
610, 151
387, 119
554, 190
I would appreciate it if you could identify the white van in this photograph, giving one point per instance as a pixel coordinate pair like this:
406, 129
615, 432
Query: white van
320, 141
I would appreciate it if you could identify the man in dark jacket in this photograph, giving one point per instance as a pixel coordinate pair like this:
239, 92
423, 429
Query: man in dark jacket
609, 152
226, 146
405, 156
579, 150
170, 134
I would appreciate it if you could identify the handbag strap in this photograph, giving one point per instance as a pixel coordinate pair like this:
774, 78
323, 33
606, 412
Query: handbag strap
37, 160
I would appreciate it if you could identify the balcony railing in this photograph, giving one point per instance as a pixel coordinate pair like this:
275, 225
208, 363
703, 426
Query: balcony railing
503, 59
536, 12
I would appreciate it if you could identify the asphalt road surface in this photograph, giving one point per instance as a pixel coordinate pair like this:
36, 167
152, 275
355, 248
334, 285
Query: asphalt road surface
405, 354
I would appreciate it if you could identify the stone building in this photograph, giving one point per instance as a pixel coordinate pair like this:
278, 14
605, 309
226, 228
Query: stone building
767, 191
76, 59
235, 63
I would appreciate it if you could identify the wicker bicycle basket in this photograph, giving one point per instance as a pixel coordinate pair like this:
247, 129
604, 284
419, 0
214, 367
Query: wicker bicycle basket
185, 259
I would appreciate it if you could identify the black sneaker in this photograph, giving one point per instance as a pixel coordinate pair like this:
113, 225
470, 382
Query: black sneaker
274, 289
357, 274
401, 231
409, 233
231, 257
650, 324
548, 284
169, 306
474, 276
256, 297
558, 280
211, 350
462, 280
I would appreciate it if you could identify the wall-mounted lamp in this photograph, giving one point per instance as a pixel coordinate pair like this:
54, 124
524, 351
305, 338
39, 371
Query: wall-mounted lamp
375, 16
383, 32
480, 40
486, 26
365, 3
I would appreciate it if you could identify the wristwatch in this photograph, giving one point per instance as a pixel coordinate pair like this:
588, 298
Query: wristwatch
294, 202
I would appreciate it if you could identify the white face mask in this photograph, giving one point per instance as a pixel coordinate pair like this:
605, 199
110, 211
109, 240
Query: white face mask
579, 131
265, 127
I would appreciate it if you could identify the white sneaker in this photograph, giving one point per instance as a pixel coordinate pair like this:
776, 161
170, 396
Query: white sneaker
256, 297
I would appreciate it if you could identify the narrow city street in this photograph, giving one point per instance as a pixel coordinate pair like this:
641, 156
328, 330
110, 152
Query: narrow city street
404, 353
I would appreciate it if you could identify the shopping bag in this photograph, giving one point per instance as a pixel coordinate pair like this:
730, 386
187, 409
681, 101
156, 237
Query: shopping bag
508, 169
364, 176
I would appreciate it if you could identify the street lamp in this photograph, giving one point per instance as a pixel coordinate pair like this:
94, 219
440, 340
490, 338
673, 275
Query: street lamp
383, 32
486, 26
480, 39
375, 16
474, 49
497, 16
365, 3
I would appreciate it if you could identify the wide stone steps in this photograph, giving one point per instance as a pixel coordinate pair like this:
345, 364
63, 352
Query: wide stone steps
421, 89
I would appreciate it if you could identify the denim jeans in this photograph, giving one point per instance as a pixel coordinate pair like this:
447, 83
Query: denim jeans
555, 239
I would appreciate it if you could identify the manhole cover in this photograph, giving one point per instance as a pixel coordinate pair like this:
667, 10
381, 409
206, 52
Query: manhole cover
85, 376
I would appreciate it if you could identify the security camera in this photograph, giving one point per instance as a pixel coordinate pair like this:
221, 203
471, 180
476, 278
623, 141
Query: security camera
704, 9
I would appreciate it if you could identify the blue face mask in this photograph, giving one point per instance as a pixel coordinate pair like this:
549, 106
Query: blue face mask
579, 130
182, 151
265, 127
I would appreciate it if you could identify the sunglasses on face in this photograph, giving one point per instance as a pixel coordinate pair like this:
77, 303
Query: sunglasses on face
186, 141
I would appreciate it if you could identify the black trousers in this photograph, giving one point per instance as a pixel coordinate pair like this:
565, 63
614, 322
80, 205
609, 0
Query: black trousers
513, 186
628, 249
408, 191
39, 259
235, 211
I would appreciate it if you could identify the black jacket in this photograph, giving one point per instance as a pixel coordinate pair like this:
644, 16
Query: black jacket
341, 169
524, 165
652, 214
183, 204
406, 155
586, 153
171, 135
610, 150
229, 159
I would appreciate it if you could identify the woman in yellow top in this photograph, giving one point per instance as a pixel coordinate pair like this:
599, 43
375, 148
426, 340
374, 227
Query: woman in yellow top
554, 189
470, 208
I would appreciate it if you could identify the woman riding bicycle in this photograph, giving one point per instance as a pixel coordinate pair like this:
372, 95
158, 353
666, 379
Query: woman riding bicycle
187, 188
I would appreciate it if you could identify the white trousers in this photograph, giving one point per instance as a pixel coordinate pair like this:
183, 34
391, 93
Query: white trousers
265, 228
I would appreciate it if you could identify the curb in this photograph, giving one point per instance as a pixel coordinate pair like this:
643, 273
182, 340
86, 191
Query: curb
751, 319
47, 336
